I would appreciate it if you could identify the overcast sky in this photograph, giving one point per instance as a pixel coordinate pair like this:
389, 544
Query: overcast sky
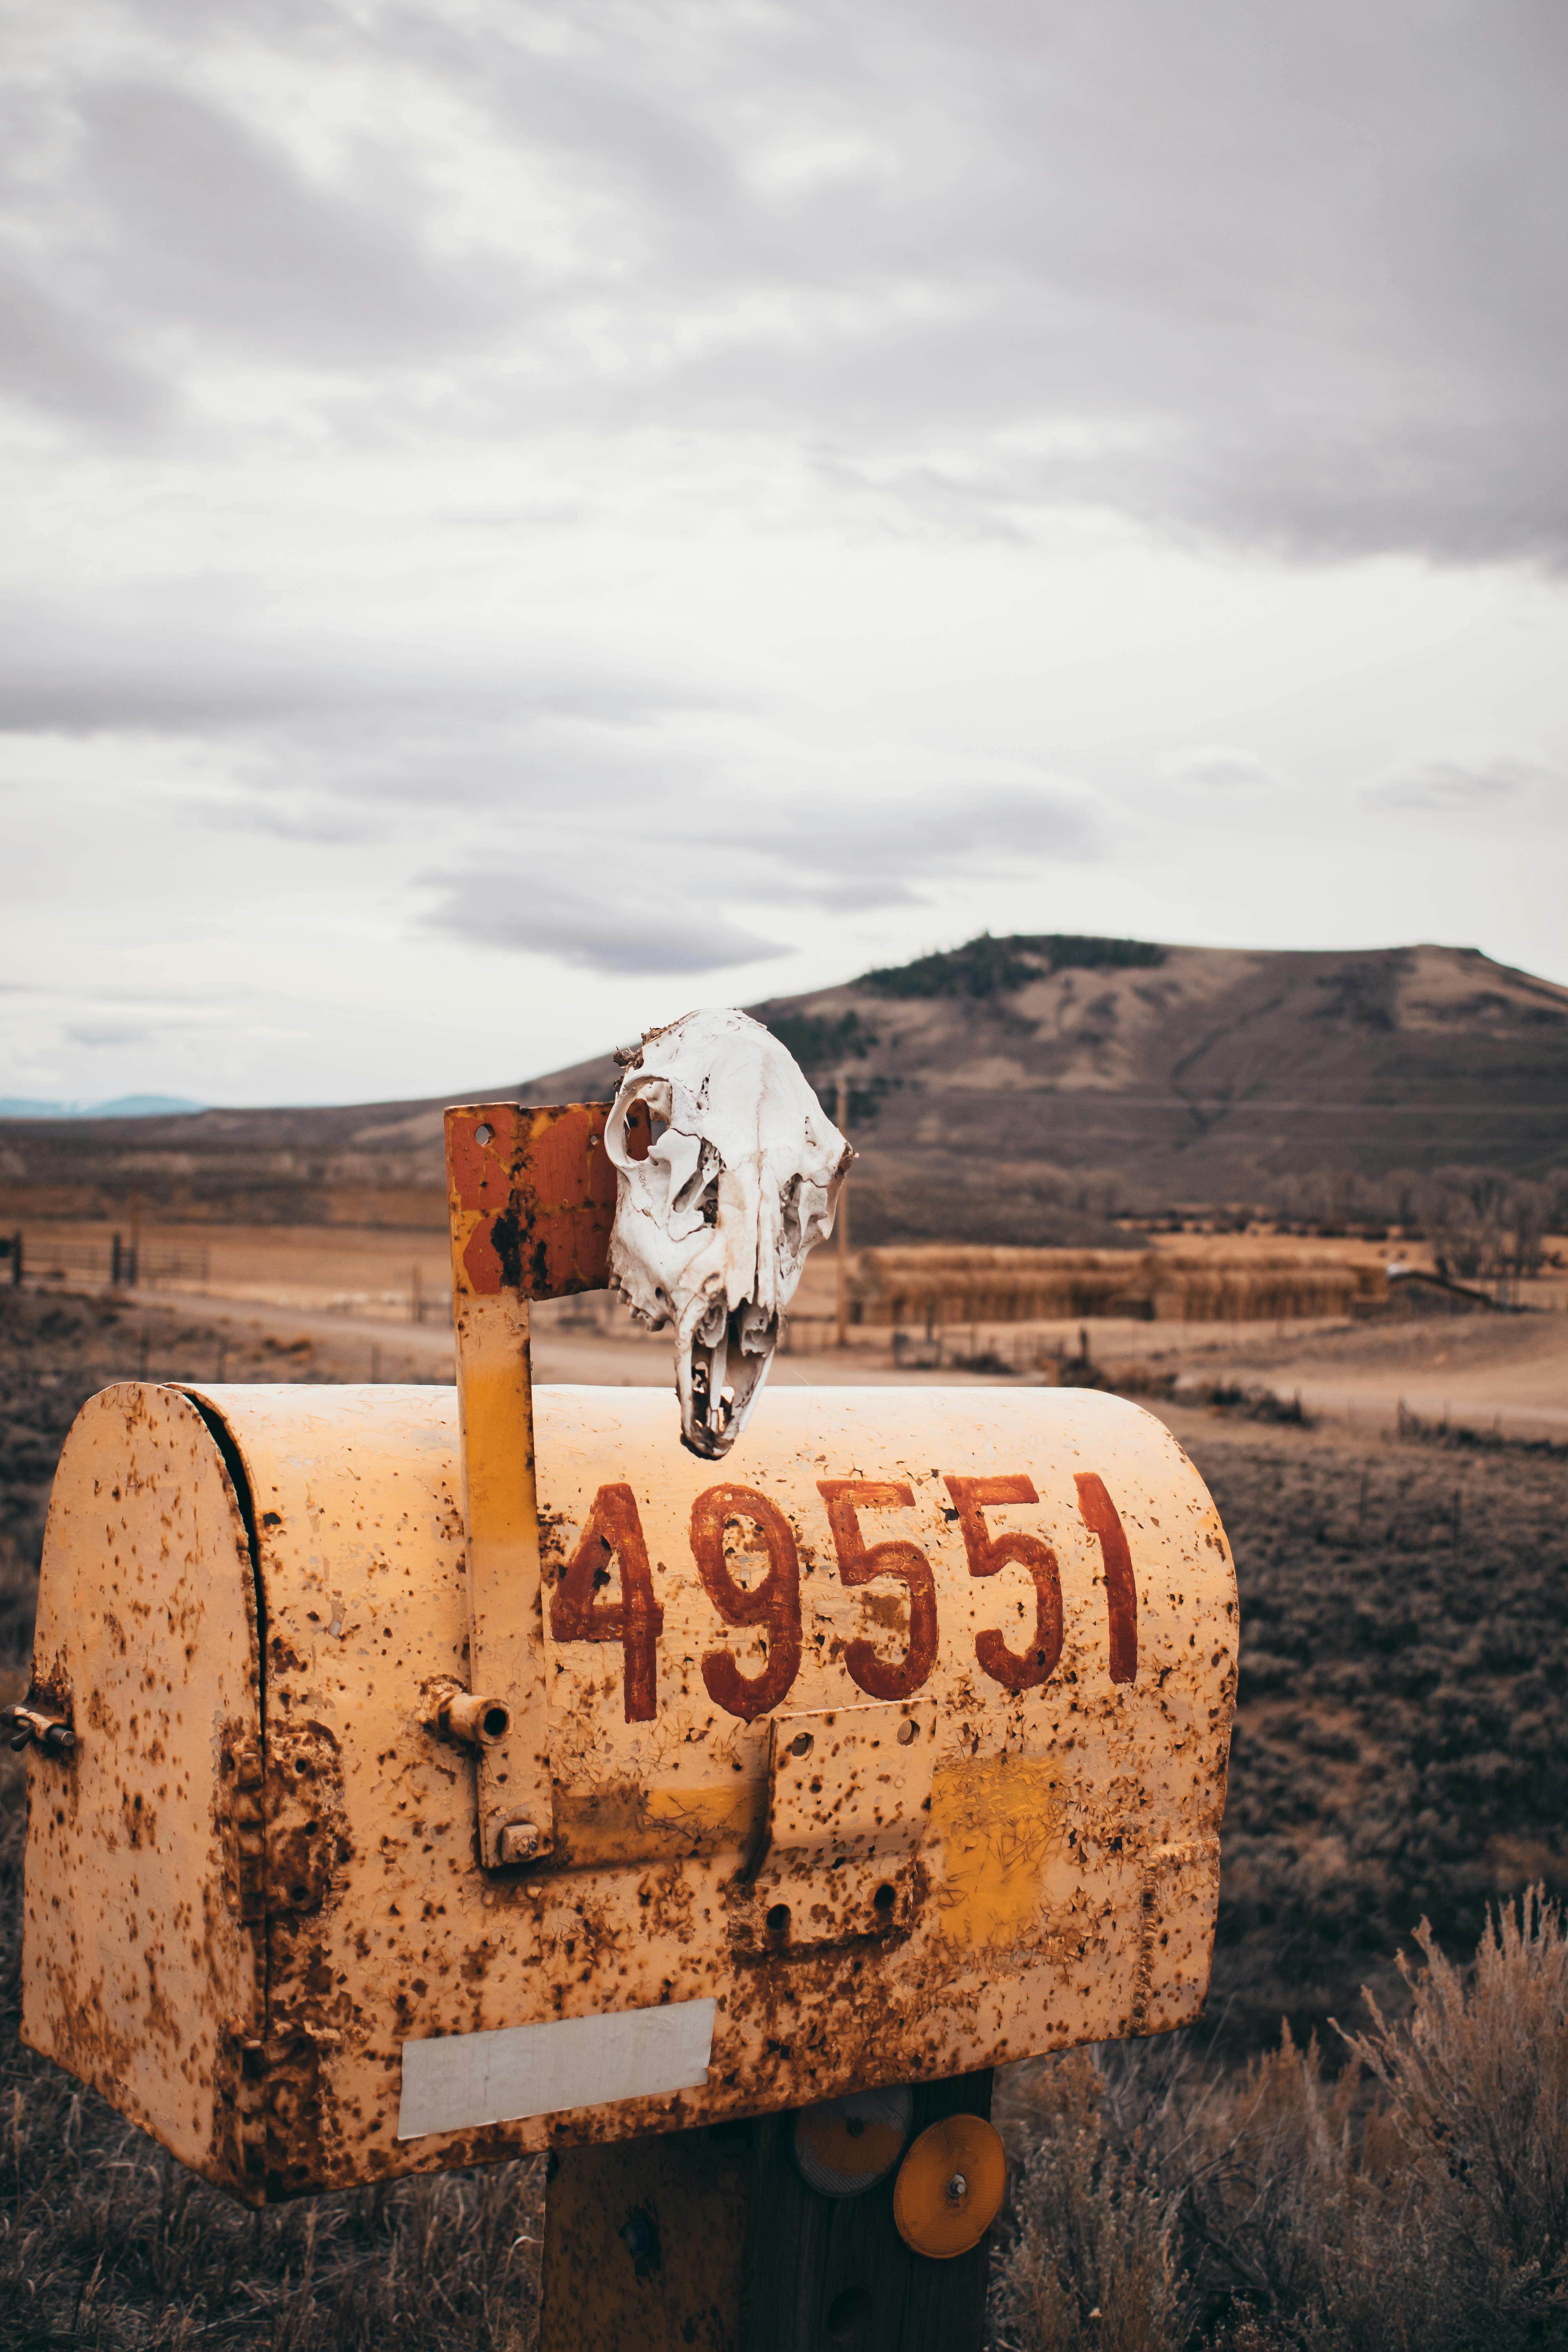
522, 519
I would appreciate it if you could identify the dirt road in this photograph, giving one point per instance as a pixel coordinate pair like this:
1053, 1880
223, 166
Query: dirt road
1503, 1372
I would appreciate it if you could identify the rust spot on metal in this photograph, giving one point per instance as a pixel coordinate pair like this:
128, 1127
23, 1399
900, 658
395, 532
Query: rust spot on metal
534, 1201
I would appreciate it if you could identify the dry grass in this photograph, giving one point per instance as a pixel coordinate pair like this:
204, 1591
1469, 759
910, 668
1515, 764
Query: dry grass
1418, 2200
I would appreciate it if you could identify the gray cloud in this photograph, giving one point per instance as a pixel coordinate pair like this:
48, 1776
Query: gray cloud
1455, 784
1284, 275
853, 850
676, 896
1218, 769
618, 929
195, 657
55, 361
108, 1033
204, 223
1288, 277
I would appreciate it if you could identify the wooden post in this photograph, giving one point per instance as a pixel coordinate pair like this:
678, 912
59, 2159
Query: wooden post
712, 2237
644, 2243
834, 2270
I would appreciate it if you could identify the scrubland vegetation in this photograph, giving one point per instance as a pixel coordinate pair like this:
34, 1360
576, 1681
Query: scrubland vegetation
1161, 2205
1480, 1223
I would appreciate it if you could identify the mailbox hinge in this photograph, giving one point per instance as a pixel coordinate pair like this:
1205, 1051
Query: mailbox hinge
244, 1827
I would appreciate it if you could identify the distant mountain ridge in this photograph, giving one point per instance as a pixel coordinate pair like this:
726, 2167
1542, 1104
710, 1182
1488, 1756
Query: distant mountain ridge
990, 1086
1187, 1075
121, 1106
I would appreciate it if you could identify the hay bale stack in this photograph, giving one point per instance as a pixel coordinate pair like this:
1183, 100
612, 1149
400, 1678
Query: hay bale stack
911, 1286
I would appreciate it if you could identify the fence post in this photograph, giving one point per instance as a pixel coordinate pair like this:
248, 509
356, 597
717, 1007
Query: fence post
114, 1262
16, 1261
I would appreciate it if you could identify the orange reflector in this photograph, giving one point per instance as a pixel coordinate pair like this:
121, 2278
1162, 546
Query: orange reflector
845, 2145
950, 2186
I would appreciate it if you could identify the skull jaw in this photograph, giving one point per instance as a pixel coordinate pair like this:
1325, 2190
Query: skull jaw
721, 1360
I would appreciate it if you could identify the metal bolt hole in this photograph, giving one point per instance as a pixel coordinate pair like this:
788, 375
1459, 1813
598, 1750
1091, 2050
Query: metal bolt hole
778, 1919
884, 1898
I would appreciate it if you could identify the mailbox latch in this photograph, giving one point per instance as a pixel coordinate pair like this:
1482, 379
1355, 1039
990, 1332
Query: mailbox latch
28, 1725
849, 1802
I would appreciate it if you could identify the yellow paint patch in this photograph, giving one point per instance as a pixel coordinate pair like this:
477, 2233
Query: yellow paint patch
725, 1816
633, 1825
996, 1821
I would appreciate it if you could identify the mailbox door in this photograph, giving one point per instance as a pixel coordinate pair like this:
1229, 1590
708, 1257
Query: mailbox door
142, 1968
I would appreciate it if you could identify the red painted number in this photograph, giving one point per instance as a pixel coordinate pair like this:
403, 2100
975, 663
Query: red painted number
774, 1603
1014, 1670
1100, 1517
858, 1563
577, 1614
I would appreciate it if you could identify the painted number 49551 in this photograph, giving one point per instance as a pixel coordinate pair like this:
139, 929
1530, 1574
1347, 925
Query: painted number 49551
581, 1608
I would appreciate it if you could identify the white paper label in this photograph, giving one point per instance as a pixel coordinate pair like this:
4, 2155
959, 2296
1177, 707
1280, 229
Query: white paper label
453, 2081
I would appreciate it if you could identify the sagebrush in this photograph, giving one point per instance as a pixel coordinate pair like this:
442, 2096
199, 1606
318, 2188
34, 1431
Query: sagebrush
1417, 2199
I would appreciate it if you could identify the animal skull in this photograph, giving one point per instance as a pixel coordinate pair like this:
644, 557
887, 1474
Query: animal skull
715, 1215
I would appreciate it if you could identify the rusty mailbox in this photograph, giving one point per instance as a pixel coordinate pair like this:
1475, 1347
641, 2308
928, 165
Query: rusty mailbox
437, 1775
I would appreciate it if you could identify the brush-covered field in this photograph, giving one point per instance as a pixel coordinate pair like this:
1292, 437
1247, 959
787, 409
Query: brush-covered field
1400, 1753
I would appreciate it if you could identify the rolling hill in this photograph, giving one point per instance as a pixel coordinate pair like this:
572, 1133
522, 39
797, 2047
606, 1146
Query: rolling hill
996, 1092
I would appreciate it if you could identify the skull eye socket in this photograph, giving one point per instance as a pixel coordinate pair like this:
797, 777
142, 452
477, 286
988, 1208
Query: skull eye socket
701, 1190
790, 1216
